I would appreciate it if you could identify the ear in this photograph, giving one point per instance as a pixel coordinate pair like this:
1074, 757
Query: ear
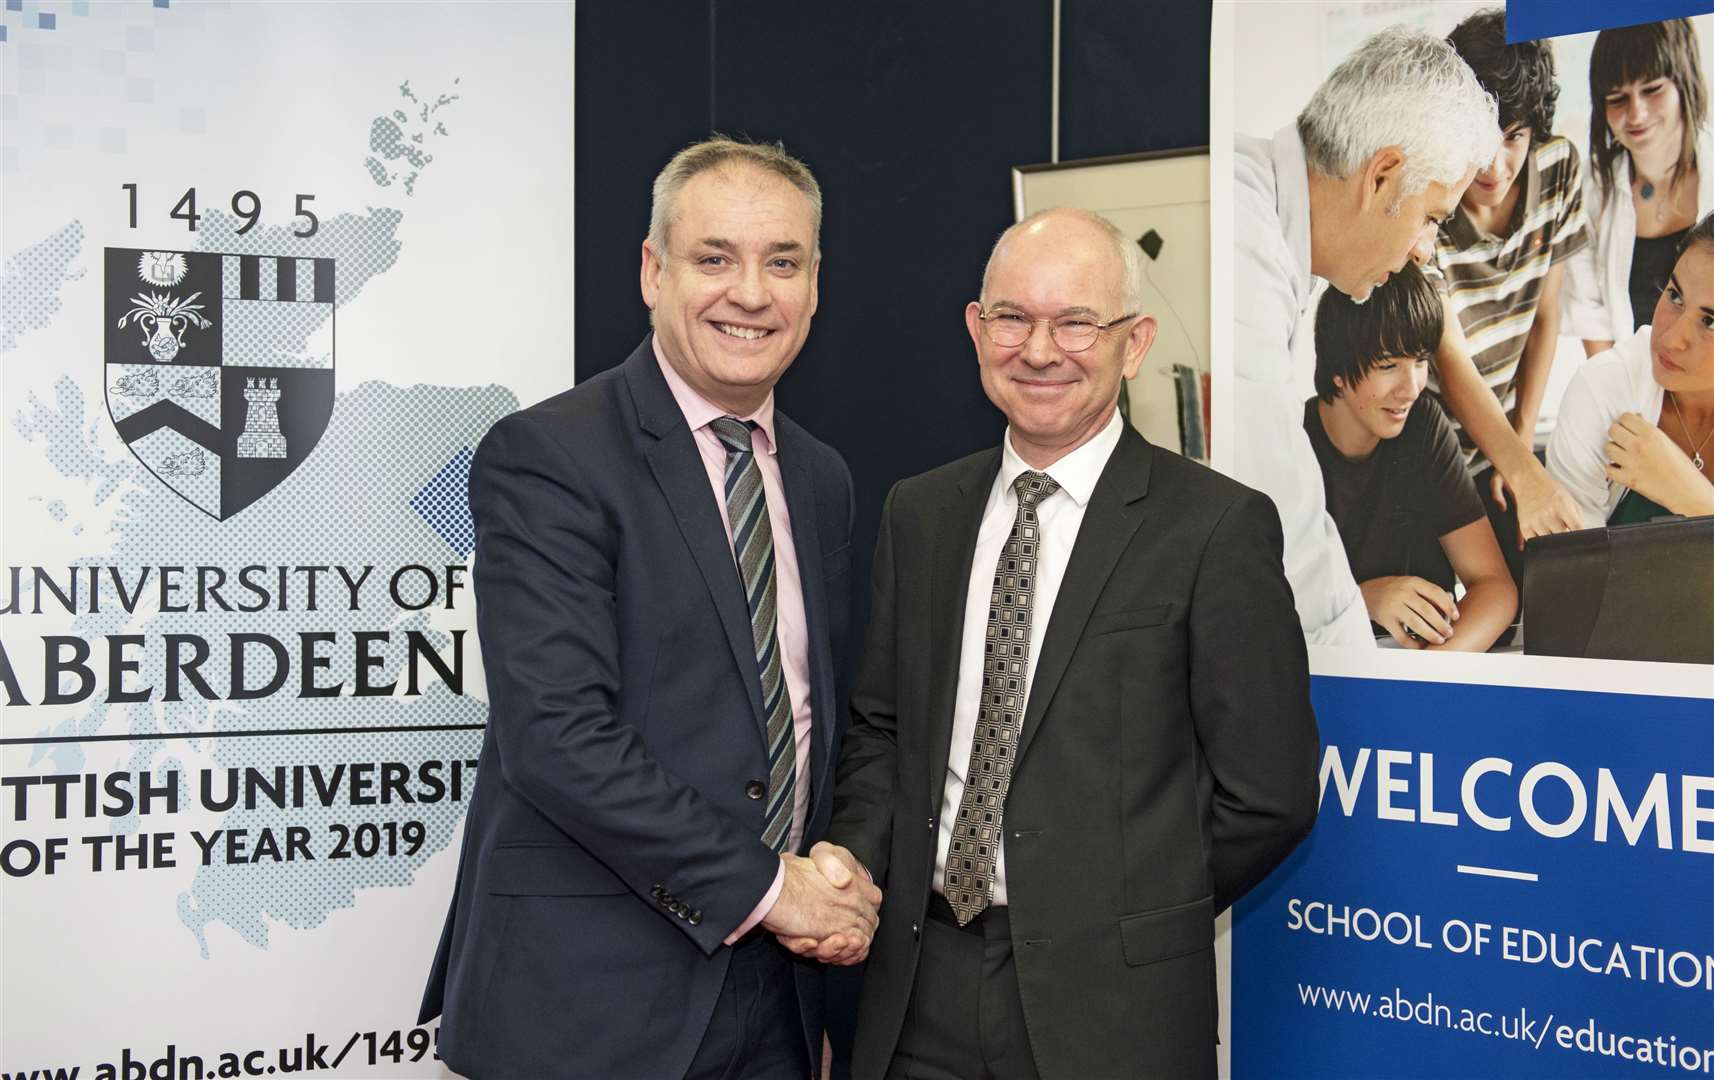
1339, 386
814, 284
1137, 342
1383, 179
973, 323
650, 276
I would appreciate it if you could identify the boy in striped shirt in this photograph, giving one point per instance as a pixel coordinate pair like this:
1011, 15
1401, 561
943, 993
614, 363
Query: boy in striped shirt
1501, 256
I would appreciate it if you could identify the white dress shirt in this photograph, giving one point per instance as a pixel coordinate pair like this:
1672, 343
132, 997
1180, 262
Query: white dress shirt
791, 624
1059, 516
1271, 288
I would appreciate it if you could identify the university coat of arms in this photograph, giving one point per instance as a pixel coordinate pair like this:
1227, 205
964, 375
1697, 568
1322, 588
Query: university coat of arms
219, 368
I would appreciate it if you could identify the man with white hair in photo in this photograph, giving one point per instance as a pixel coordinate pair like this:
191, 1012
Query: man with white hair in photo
1351, 192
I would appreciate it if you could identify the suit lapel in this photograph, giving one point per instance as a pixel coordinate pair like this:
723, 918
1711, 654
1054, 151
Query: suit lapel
1114, 514
806, 541
678, 469
954, 547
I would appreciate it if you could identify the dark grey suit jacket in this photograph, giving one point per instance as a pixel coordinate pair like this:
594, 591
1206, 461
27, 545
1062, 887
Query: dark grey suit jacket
613, 838
1167, 760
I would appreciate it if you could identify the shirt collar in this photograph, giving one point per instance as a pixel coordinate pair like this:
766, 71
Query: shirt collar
699, 411
1463, 232
1291, 194
1076, 472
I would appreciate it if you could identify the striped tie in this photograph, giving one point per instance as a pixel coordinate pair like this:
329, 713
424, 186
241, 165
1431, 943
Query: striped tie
753, 545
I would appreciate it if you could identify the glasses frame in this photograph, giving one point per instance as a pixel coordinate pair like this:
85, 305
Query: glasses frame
984, 317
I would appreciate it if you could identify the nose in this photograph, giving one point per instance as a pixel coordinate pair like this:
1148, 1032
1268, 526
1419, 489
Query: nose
1039, 350
1636, 109
1673, 336
1418, 380
749, 290
1423, 250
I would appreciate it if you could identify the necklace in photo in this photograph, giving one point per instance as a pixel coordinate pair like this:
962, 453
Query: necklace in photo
1689, 439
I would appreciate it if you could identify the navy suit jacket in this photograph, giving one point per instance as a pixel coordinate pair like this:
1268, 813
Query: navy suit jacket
613, 838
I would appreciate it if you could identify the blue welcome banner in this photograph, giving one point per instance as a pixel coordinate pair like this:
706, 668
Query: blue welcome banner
1527, 20
1503, 881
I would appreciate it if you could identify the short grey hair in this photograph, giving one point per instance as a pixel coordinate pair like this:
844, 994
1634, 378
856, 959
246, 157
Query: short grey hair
721, 152
1129, 251
1402, 88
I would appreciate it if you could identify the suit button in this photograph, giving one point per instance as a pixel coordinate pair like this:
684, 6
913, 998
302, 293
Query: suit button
931, 824
695, 917
665, 901
916, 930
657, 892
755, 789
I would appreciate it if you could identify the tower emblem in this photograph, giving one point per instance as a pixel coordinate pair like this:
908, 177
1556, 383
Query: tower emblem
261, 437
219, 368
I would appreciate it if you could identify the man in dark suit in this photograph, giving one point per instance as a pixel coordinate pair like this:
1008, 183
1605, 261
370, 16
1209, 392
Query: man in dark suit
1082, 726
662, 566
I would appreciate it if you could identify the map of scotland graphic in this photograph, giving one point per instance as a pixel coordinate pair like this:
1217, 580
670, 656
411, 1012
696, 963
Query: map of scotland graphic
219, 367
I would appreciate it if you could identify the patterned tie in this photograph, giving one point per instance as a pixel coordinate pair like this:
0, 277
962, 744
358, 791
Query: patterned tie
753, 544
975, 849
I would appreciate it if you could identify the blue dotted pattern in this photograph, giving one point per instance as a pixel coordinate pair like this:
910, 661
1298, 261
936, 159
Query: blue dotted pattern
30, 282
378, 435
444, 502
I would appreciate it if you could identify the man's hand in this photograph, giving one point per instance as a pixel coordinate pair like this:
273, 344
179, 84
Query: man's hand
828, 907
1544, 507
1643, 458
1409, 606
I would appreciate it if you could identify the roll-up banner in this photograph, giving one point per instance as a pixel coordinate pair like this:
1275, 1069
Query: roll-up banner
1512, 873
270, 272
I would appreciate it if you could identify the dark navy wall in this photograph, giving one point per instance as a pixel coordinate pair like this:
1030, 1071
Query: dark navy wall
911, 116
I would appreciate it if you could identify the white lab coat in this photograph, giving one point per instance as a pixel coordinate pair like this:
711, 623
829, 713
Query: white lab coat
1596, 297
1272, 286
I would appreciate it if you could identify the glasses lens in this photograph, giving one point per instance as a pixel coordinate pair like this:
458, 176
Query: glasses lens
1007, 329
1075, 335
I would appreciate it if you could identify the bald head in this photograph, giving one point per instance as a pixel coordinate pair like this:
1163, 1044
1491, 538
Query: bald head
1068, 234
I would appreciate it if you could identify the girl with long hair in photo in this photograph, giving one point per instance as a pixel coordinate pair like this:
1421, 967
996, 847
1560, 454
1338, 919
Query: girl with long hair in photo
1650, 176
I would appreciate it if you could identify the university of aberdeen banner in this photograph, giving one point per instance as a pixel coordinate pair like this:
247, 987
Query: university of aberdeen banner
270, 272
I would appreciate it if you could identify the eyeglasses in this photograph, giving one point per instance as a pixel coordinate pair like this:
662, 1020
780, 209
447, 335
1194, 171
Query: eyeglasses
1072, 333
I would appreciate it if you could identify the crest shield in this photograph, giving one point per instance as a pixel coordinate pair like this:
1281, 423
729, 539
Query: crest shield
218, 368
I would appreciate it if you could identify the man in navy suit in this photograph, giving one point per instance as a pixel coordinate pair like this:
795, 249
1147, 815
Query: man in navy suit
662, 579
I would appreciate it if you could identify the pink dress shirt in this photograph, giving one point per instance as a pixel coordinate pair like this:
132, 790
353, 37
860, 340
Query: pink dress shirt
791, 625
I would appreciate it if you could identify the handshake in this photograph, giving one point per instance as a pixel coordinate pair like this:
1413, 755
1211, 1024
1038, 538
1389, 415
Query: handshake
827, 908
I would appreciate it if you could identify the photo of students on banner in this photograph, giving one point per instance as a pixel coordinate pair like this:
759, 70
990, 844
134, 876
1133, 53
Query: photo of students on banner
1441, 229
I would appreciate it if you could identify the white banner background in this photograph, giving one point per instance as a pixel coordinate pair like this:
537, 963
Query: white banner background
454, 276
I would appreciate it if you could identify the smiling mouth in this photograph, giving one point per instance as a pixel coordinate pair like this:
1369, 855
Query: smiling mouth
743, 333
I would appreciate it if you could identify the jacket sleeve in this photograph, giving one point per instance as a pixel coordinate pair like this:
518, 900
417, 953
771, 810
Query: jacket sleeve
547, 616
1583, 312
1249, 679
868, 760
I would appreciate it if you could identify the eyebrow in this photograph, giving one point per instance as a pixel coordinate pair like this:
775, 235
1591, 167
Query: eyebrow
1060, 314
778, 247
1672, 279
